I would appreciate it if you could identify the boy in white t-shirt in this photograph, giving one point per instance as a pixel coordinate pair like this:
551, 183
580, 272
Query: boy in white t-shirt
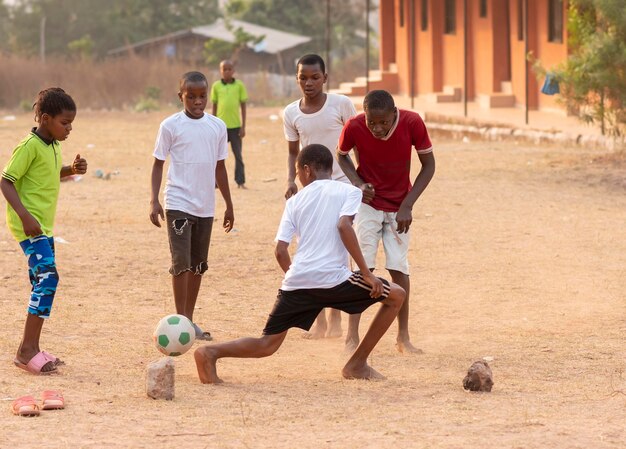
317, 117
320, 217
196, 143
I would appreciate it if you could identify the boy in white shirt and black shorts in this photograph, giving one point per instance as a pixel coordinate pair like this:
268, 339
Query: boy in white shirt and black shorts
317, 117
320, 217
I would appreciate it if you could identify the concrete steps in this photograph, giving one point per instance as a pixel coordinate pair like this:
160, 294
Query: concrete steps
450, 94
378, 79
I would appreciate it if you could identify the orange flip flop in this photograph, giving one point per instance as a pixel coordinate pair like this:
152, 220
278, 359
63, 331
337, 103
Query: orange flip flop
52, 400
25, 406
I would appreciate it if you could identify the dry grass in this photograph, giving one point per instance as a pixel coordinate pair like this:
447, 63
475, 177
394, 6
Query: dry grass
110, 84
512, 258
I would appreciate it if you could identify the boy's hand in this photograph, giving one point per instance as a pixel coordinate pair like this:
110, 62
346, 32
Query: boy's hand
368, 192
79, 166
375, 283
404, 218
292, 189
242, 132
229, 220
156, 212
31, 226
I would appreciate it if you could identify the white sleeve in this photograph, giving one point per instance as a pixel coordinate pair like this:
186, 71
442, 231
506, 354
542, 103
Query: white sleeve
222, 144
163, 143
291, 133
287, 227
347, 109
352, 202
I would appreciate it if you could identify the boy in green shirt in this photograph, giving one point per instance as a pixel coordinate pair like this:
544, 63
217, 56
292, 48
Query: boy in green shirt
30, 184
227, 96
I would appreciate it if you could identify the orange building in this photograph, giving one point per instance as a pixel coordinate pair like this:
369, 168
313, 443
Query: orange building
443, 49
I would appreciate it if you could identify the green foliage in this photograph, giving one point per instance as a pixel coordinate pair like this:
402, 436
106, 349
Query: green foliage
593, 79
149, 101
308, 18
152, 92
83, 47
111, 23
216, 50
146, 105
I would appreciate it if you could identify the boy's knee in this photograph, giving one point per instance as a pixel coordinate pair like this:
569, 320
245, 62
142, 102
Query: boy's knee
48, 278
269, 345
396, 297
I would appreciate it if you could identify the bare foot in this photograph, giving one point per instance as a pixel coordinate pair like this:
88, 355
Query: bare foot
315, 333
205, 363
361, 372
351, 344
405, 346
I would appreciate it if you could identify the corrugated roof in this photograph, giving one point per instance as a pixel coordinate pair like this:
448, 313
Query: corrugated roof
274, 40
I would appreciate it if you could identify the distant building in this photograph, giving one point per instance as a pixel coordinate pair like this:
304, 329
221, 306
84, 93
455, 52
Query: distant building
441, 49
276, 53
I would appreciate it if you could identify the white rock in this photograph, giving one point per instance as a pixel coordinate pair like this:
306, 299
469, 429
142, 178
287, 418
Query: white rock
160, 379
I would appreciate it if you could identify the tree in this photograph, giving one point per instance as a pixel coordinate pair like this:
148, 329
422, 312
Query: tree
110, 23
593, 78
216, 50
308, 17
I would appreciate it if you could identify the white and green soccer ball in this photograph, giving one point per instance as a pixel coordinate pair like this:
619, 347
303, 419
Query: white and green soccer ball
174, 335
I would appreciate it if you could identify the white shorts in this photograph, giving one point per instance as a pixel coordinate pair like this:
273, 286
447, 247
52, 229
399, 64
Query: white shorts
371, 226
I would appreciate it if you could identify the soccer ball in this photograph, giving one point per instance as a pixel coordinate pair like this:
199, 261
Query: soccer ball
174, 335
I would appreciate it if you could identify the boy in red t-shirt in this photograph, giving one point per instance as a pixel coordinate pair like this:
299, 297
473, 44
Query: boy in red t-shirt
383, 137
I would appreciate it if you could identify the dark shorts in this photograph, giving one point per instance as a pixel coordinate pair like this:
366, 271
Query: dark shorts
189, 238
299, 308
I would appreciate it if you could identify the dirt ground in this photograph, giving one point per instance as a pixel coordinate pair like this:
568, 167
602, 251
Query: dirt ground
518, 254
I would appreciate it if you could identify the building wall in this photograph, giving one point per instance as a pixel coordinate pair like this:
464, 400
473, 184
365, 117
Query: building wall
401, 9
452, 45
496, 54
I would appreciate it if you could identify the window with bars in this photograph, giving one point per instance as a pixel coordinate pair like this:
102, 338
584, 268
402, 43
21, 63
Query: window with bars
450, 17
520, 20
482, 9
424, 15
555, 21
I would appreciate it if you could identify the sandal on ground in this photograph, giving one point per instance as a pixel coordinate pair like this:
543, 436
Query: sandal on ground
36, 364
25, 406
202, 335
52, 400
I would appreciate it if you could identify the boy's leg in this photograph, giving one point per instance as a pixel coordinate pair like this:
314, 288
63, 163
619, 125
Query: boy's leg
44, 280
236, 145
334, 324
319, 328
403, 341
357, 367
352, 335
186, 287
207, 356
369, 230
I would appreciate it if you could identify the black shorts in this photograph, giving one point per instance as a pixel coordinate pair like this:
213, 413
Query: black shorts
189, 238
299, 308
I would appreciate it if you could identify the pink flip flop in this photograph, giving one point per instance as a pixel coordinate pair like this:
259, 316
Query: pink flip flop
52, 400
25, 406
35, 364
57, 361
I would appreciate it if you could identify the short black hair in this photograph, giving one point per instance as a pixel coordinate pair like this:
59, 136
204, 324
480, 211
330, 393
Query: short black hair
192, 77
316, 156
53, 101
379, 100
312, 59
